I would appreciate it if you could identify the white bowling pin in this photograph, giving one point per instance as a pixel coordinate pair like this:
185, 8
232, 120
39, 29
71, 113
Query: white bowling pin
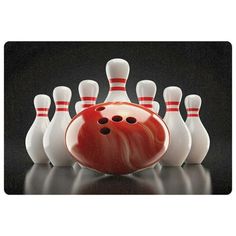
88, 92
146, 91
79, 107
34, 137
54, 137
156, 106
200, 137
180, 138
117, 71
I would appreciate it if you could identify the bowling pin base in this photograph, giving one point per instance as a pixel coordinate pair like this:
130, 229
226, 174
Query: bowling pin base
44, 162
65, 164
193, 162
171, 165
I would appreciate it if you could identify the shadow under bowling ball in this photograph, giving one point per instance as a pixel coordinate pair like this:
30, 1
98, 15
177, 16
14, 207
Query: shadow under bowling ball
200, 178
35, 178
59, 180
90, 182
175, 180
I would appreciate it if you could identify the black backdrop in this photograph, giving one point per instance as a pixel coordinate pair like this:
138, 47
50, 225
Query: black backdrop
203, 68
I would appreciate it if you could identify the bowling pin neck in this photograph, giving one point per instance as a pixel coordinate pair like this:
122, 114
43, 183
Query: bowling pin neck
88, 101
117, 91
117, 84
172, 106
146, 102
62, 106
41, 112
62, 109
192, 112
172, 109
150, 106
193, 115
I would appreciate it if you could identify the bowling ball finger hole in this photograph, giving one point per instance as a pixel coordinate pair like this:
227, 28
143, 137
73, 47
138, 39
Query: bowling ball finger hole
100, 108
117, 118
103, 121
105, 131
131, 120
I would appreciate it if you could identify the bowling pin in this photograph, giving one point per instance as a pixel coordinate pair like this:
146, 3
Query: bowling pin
54, 137
88, 92
180, 138
200, 137
156, 106
79, 107
34, 137
117, 71
146, 91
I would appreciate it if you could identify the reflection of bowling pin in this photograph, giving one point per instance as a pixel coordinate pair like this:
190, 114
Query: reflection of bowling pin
85, 177
34, 137
200, 137
146, 91
77, 167
200, 178
35, 178
54, 137
180, 138
157, 168
59, 180
117, 71
156, 106
149, 178
175, 180
88, 92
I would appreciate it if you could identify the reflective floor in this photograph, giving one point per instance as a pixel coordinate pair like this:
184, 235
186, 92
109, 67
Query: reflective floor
189, 179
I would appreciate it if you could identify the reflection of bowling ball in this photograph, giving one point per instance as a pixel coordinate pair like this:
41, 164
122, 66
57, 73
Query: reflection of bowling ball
91, 182
117, 138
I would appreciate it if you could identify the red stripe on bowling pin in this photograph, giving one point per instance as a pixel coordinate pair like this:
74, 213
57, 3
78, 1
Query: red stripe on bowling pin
117, 80
145, 98
146, 105
192, 115
62, 106
88, 98
117, 84
172, 103
87, 105
42, 111
172, 106
172, 109
117, 89
192, 112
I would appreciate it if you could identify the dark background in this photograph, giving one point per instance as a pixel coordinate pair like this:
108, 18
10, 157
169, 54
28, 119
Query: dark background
204, 68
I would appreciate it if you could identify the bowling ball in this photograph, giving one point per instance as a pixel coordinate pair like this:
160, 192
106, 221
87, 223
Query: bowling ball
117, 137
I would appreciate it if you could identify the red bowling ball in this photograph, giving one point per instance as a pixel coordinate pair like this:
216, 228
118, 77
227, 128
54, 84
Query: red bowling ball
117, 137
